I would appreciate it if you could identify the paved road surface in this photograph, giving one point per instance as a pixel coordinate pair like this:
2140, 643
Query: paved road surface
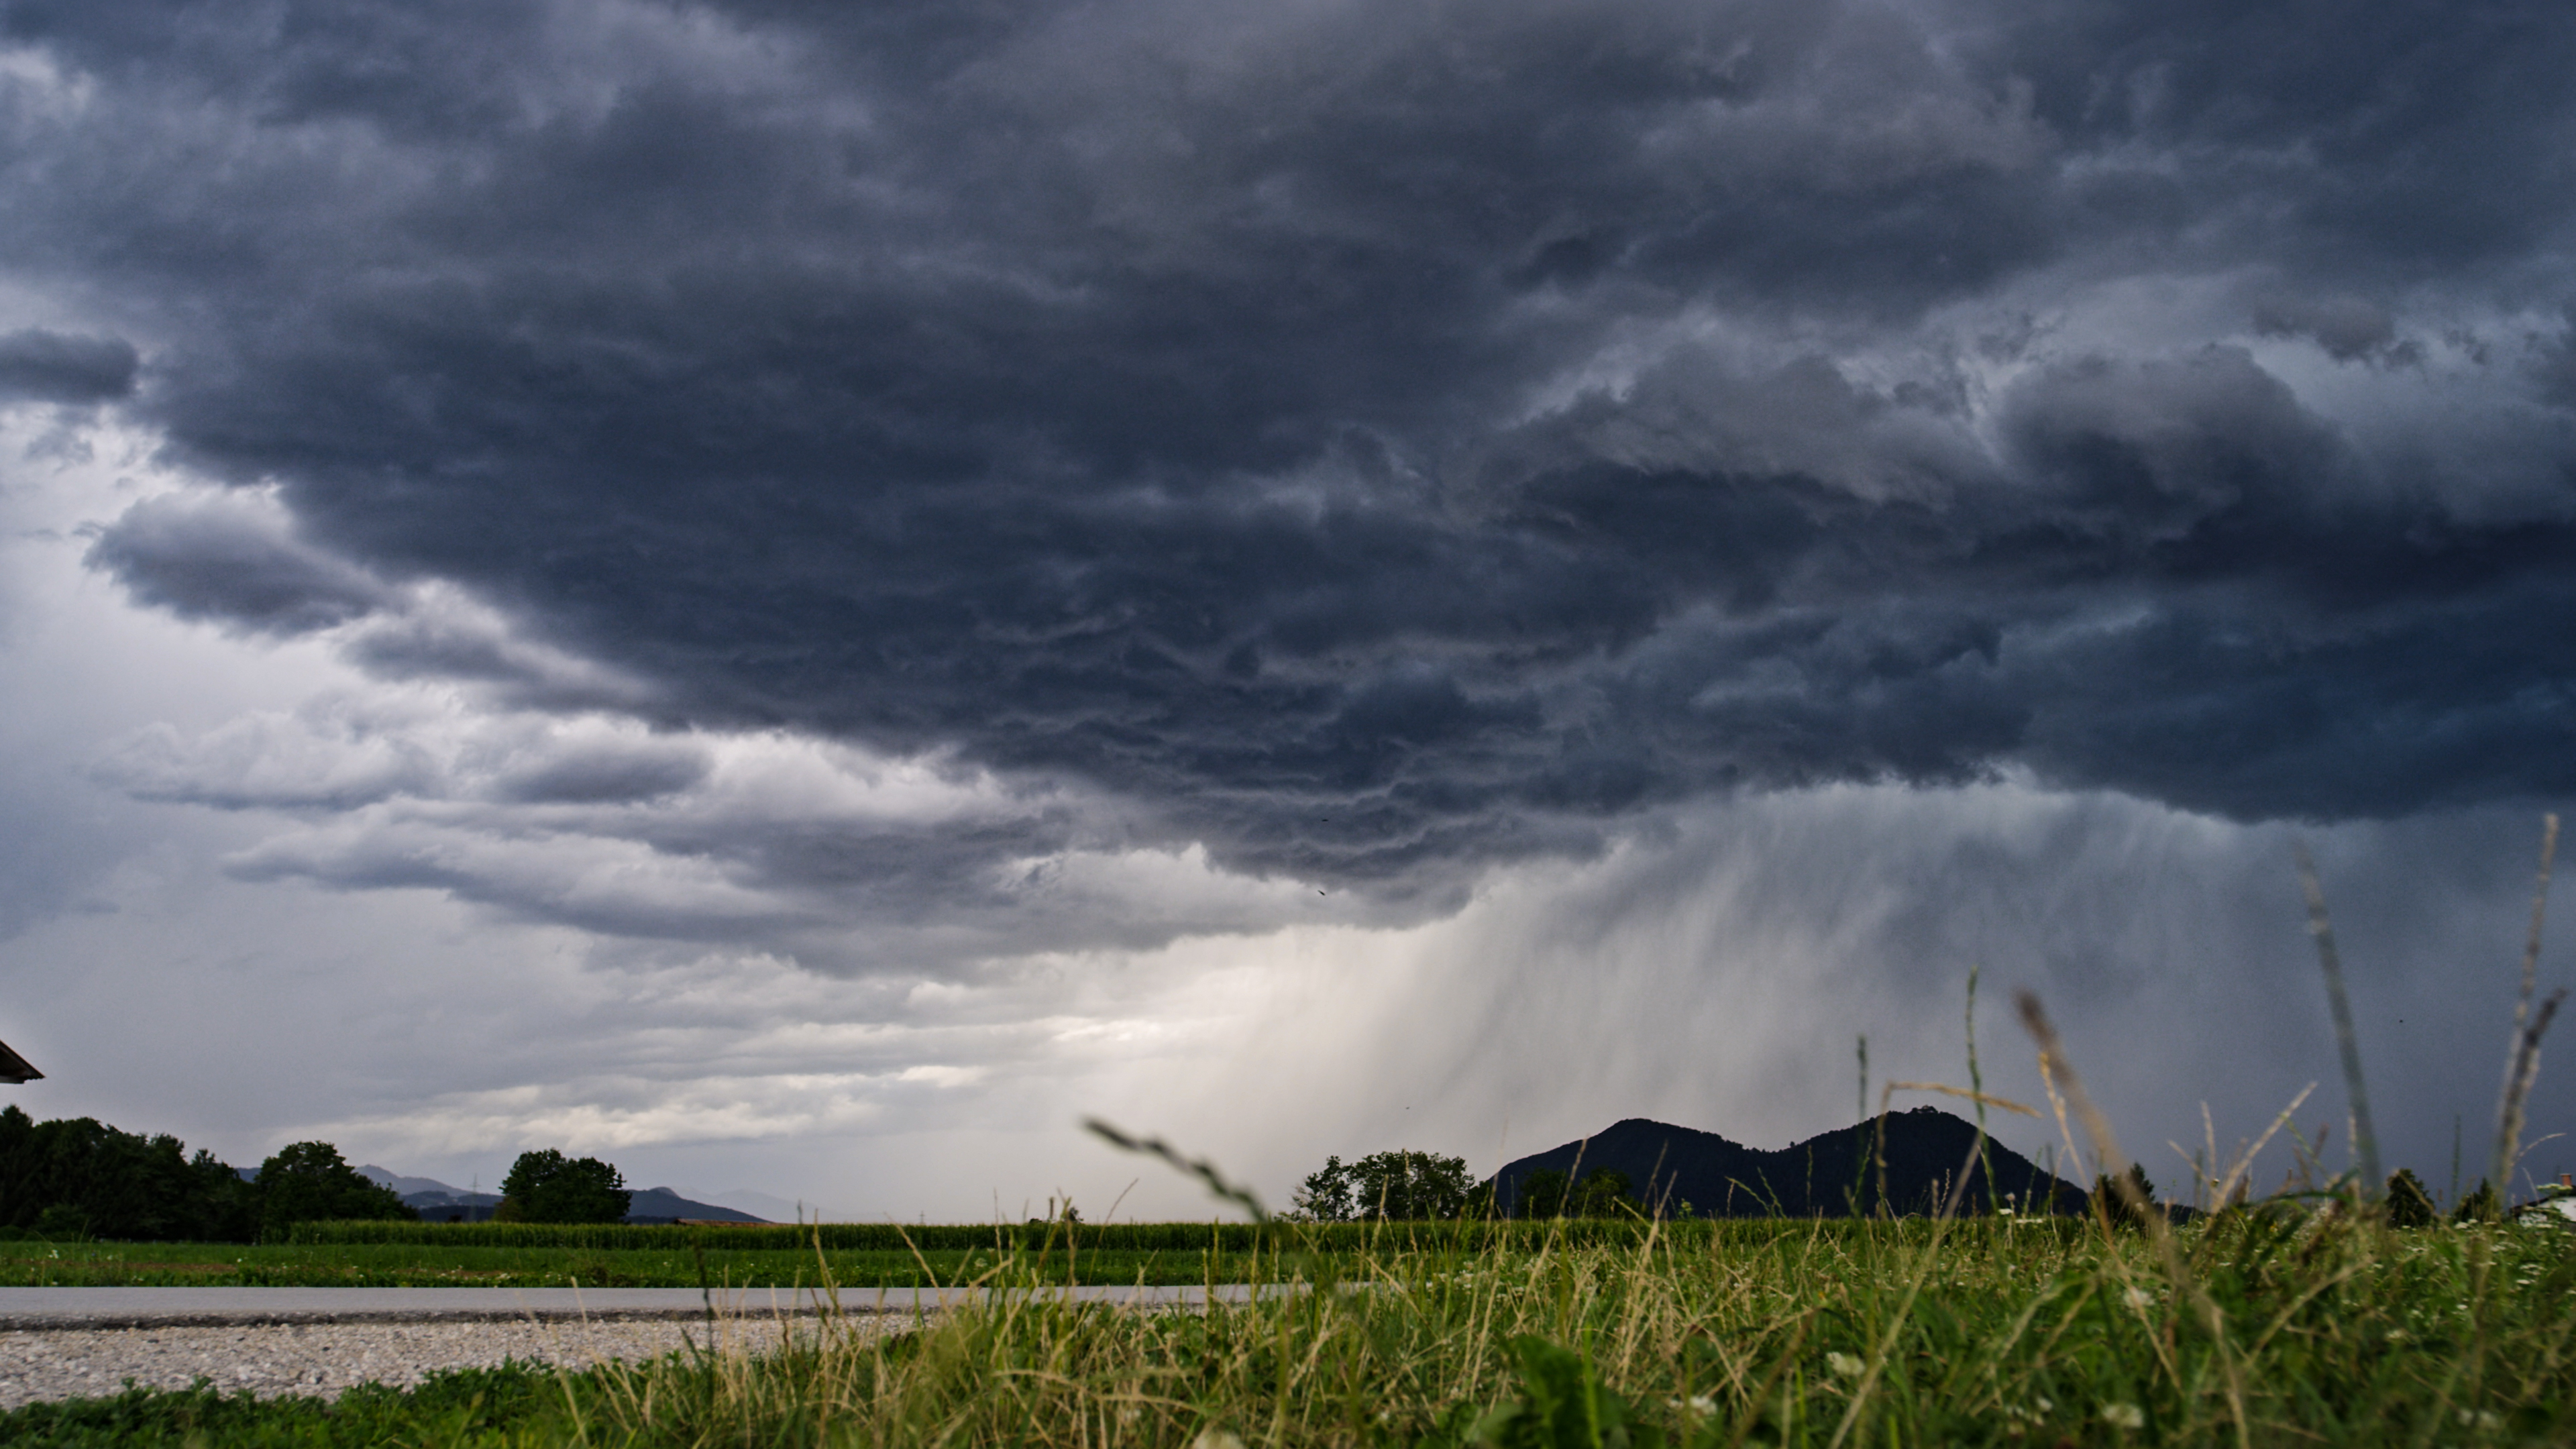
75, 1308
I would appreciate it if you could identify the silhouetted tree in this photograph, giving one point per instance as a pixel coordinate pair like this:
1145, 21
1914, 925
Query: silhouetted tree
2409, 1205
1325, 1195
1388, 1186
309, 1182
2118, 1209
1542, 1194
2481, 1206
1408, 1186
78, 1176
1604, 1192
548, 1187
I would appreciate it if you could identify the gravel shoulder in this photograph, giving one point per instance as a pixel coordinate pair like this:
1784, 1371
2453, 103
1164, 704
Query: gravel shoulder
323, 1359
58, 1343
52, 1308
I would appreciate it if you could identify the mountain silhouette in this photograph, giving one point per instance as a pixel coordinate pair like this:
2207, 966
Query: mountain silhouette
1928, 1152
437, 1202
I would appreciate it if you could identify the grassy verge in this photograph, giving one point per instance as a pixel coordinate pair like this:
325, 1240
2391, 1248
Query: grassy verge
514, 1404
2262, 1329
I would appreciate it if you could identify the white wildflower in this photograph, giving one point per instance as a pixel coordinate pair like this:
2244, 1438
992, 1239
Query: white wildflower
1216, 1439
2124, 1416
1844, 1365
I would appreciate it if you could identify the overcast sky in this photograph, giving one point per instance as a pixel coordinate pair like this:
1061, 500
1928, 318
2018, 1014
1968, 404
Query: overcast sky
799, 596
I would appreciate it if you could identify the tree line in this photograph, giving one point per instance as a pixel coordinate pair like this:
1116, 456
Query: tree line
1427, 1187
77, 1177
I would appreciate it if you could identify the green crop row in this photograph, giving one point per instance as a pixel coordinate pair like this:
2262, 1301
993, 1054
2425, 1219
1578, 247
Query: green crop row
1029, 1238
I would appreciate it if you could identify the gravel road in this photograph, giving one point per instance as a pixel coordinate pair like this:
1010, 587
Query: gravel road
60, 1343
324, 1358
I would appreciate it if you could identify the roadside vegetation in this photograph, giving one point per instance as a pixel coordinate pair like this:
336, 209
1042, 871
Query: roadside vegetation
2275, 1324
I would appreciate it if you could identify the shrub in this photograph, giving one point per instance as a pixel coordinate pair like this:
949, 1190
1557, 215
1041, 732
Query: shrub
62, 1222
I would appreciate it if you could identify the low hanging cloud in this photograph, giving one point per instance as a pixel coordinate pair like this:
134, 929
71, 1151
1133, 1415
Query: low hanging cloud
841, 861
235, 560
1364, 443
41, 366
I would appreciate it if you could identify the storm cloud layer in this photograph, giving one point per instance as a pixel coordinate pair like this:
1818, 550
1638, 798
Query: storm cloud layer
1366, 442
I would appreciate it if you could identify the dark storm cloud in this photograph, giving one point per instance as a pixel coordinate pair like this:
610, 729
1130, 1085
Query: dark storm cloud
2346, 327
232, 560
46, 366
608, 775
1375, 437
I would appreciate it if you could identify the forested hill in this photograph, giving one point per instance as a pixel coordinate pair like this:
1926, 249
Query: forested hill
1670, 1166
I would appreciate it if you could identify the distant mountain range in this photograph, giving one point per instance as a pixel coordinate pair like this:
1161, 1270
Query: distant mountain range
438, 1202
1928, 1152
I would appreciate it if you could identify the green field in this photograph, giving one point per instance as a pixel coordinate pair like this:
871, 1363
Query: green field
852, 1255
2279, 1326
416, 1265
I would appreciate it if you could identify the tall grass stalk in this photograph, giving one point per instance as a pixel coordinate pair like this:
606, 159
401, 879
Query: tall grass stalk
2185, 1285
2522, 1048
2365, 1141
2522, 1069
1977, 1080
